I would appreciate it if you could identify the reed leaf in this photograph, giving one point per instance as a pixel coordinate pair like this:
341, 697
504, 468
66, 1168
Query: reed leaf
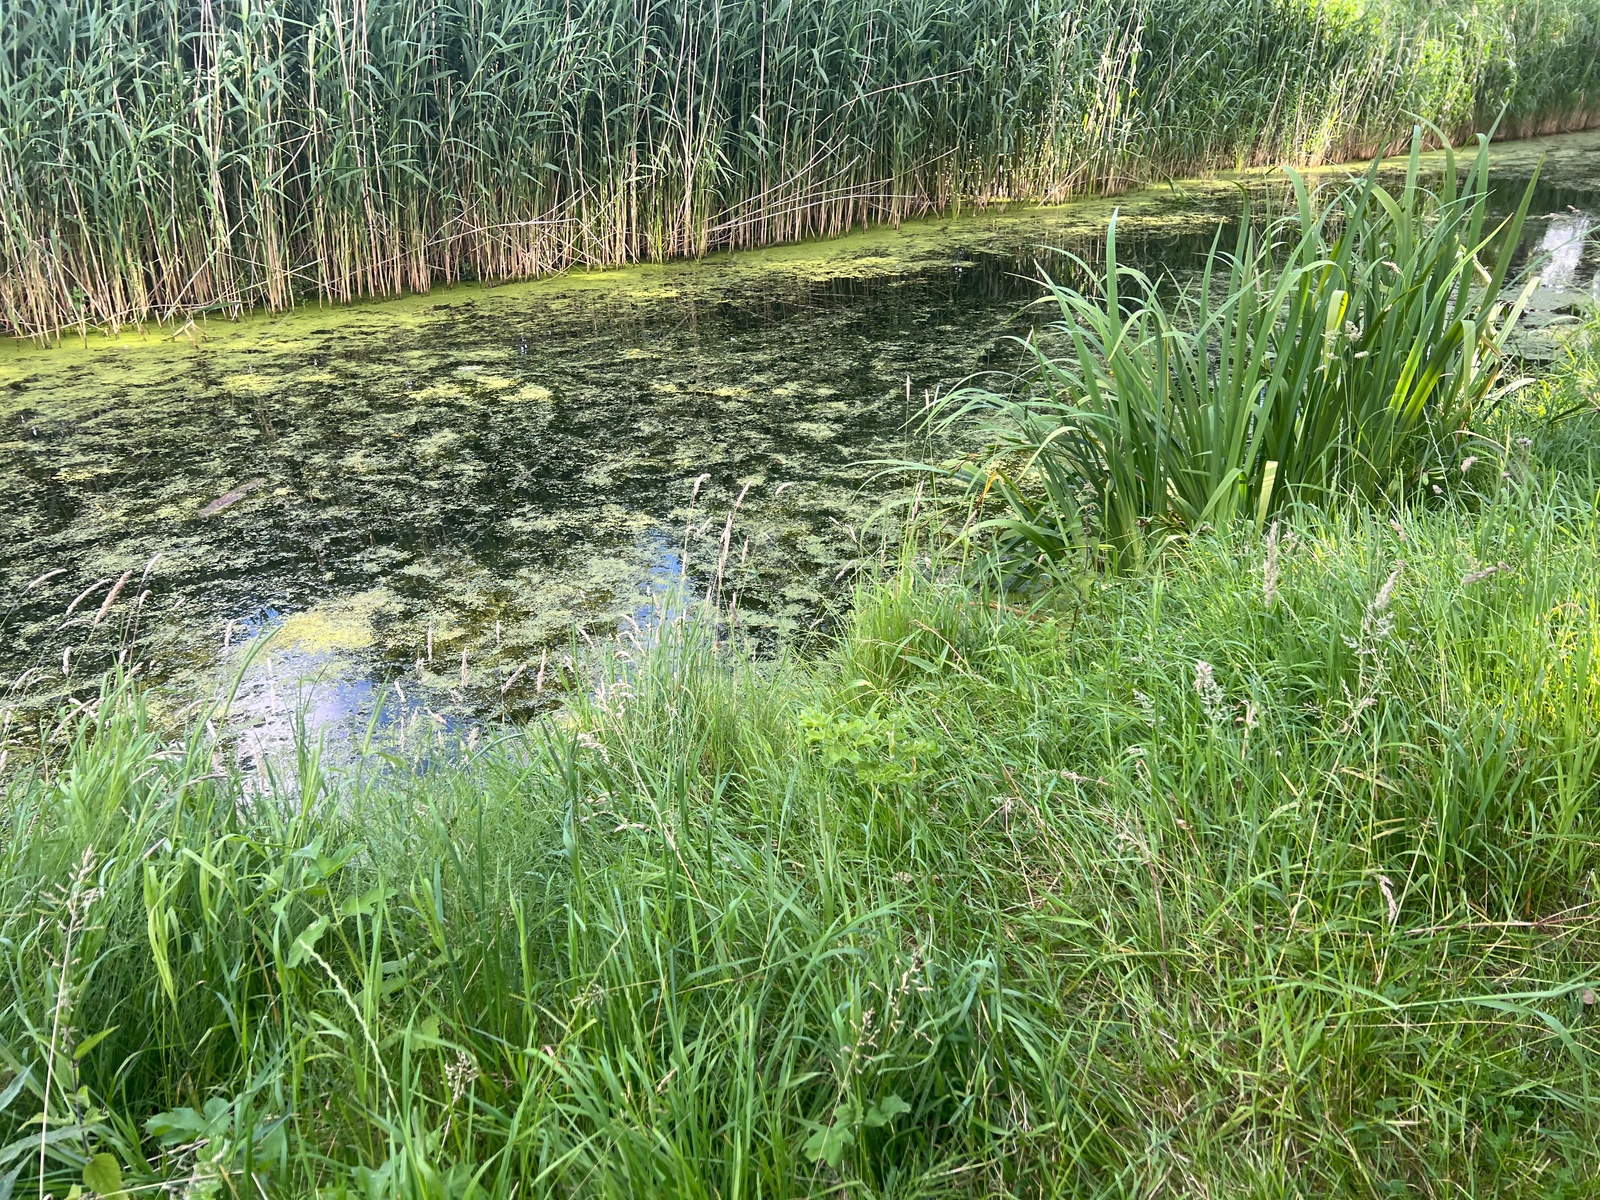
1346, 349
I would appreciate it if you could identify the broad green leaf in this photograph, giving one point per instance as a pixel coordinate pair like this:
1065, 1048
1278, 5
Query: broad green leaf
178, 1125
830, 1142
306, 943
886, 1110
363, 905
103, 1174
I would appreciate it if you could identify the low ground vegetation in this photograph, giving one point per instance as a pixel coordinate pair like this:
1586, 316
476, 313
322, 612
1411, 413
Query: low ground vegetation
1268, 869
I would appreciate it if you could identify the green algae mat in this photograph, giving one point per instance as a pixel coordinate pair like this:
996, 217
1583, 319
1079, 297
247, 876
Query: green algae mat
430, 501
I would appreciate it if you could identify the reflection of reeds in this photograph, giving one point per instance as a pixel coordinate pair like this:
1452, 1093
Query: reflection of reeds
159, 158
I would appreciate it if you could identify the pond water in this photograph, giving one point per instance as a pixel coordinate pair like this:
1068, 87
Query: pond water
425, 499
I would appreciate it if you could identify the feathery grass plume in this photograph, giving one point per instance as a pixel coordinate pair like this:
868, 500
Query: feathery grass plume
1372, 668
1479, 576
1212, 700
1378, 623
1269, 569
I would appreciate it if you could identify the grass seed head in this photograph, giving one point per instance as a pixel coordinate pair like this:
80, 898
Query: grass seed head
1209, 690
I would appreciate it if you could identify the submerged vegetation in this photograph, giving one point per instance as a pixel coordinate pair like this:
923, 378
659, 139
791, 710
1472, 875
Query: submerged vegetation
161, 158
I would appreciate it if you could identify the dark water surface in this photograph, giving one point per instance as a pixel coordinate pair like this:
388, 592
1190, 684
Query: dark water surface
497, 472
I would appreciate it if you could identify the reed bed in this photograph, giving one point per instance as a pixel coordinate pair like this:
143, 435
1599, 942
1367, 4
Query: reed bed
160, 158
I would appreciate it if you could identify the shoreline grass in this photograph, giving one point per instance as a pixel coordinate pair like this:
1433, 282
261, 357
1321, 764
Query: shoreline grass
1267, 871
1349, 350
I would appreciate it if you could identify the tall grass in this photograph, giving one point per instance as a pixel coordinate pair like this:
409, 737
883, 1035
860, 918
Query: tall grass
162, 157
1268, 871
1351, 348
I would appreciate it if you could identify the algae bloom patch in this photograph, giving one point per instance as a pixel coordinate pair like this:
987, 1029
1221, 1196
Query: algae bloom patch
344, 624
516, 469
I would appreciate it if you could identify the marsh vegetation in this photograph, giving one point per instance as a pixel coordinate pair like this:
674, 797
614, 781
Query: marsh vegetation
1268, 870
161, 158
1349, 349
1194, 792
480, 473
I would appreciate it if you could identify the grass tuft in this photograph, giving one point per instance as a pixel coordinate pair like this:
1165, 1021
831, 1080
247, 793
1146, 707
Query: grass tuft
1352, 349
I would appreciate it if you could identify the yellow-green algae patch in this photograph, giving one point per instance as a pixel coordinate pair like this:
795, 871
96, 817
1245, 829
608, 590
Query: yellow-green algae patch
335, 626
516, 468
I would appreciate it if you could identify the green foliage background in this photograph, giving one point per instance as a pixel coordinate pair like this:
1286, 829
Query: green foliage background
159, 157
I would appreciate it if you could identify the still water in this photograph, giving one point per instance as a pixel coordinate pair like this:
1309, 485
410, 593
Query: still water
424, 500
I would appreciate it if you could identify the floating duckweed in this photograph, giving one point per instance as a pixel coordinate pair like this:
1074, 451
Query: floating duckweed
439, 391
345, 624
250, 384
815, 430
83, 474
436, 444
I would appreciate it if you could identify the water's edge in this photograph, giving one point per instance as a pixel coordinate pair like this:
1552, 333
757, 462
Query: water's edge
435, 498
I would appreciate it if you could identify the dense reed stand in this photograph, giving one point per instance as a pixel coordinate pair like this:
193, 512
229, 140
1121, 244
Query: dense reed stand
163, 157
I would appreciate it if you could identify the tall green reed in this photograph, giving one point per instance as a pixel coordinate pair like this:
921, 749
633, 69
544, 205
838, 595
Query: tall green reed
160, 158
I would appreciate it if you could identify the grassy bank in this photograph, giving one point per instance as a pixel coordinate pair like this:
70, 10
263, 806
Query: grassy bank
1269, 870
159, 158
